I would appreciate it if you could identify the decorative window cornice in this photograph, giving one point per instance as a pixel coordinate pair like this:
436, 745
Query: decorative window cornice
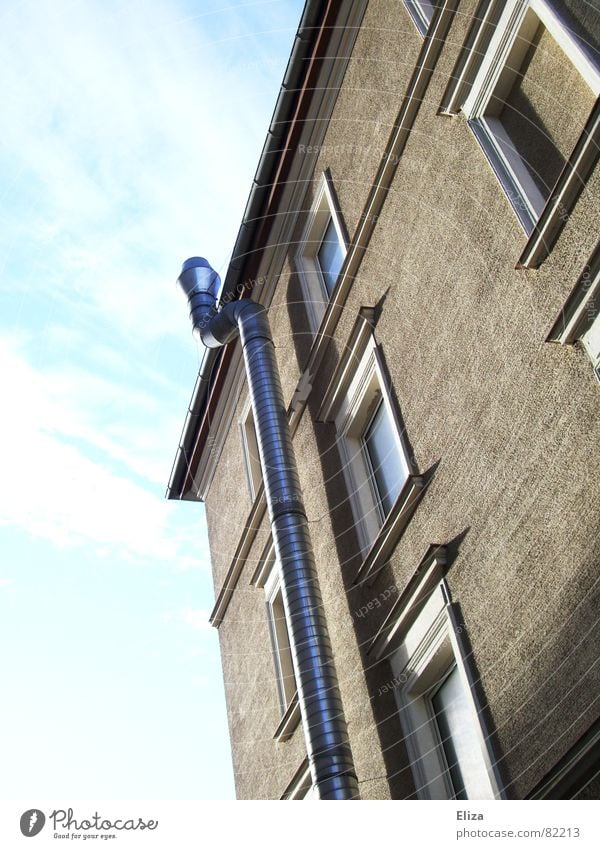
289, 721
353, 353
409, 603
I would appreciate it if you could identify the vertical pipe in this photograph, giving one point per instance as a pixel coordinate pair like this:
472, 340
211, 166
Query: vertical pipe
323, 720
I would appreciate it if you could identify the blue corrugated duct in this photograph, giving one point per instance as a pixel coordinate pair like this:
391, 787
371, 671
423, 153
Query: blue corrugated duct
325, 731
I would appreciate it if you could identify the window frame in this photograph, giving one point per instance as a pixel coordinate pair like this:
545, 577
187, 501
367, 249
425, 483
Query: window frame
301, 787
280, 642
421, 664
324, 208
526, 199
366, 390
378, 495
581, 312
267, 577
250, 451
417, 11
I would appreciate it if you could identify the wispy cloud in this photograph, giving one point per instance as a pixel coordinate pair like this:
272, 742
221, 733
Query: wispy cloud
129, 135
127, 143
116, 133
54, 488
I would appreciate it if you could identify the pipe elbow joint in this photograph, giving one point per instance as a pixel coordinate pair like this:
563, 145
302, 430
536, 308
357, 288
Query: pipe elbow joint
246, 318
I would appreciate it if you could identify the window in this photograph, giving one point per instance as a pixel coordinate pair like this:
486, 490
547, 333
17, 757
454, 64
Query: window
321, 252
301, 788
330, 256
526, 126
266, 576
575, 771
250, 449
456, 732
445, 740
383, 486
280, 641
579, 320
591, 341
375, 460
421, 11
387, 465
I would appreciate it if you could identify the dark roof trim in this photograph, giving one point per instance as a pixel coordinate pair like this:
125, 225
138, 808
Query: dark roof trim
215, 361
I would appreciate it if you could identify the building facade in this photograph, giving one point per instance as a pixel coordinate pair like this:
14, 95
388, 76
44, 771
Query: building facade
423, 231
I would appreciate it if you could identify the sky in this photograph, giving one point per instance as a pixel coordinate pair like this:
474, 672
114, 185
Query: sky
130, 132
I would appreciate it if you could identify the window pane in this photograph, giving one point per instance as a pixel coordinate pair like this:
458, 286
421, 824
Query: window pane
543, 132
283, 654
426, 8
330, 256
251, 455
459, 739
591, 340
386, 459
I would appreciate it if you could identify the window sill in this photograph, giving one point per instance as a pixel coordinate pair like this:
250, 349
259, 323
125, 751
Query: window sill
410, 602
391, 531
289, 721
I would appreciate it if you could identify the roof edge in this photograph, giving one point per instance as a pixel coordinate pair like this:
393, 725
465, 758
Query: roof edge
314, 14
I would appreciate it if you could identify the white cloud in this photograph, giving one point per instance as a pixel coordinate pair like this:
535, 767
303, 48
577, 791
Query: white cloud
53, 490
131, 140
129, 137
115, 416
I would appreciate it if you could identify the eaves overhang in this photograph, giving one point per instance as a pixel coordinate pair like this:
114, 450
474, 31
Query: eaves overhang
309, 52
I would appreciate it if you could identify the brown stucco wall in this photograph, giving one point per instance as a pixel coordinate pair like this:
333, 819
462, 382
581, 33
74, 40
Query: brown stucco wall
228, 503
377, 77
262, 767
511, 421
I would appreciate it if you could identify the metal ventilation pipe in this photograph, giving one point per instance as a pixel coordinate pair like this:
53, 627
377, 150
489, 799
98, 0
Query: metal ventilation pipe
325, 731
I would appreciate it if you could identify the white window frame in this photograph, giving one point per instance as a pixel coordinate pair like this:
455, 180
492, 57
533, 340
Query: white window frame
579, 319
351, 420
301, 787
282, 653
250, 450
519, 18
589, 340
422, 13
426, 656
313, 285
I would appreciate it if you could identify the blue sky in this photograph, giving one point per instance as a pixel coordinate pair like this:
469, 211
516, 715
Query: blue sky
129, 137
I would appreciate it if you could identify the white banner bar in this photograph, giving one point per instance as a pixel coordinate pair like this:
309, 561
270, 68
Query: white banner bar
179, 825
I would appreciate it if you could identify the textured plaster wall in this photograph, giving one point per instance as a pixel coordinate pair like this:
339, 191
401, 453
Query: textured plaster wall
513, 422
376, 79
510, 421
262, 767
